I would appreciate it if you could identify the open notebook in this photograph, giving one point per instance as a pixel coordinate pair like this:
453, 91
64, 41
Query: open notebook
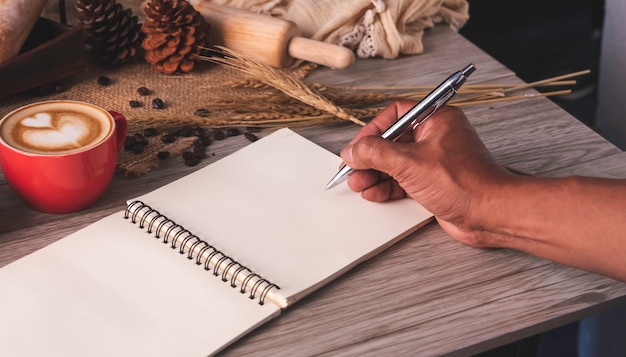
189, 268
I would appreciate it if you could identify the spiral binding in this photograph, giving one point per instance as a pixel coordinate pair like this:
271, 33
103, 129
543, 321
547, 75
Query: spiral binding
195, 248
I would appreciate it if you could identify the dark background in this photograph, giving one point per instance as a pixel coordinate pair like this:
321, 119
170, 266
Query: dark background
538, 40
542, 39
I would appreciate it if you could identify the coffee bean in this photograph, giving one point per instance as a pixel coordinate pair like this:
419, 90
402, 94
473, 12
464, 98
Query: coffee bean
219, 134
104, 80
136, 143
253, 129
233, 132
168, 138
250, 136
187, 154
138, 148
140, 139
157, 103
199, 150
134, 103
162, 155
192, 161
143, 91
129, 143
198, 131
202, 112
204, 140
150, 132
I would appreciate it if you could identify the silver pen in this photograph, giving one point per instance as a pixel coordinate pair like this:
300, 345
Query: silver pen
416, 115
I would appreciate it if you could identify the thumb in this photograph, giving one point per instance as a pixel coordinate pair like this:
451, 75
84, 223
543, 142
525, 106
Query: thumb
374, 152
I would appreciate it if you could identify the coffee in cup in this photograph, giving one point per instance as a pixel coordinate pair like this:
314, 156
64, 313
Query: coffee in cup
60, 156
54, 130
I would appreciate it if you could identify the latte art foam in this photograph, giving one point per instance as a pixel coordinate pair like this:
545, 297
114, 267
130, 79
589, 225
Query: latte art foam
56, 129
69, 132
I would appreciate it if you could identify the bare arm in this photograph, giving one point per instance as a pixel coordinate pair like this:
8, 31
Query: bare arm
577, 221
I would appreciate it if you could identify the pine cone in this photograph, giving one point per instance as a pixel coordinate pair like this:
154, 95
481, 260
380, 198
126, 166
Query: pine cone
113, 33
174, 34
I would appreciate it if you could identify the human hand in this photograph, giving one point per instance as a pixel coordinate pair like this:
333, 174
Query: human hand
442, 164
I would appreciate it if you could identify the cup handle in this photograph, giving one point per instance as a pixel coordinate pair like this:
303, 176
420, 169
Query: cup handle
121, 128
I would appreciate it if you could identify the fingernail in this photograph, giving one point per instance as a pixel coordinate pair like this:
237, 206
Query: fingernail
347, 154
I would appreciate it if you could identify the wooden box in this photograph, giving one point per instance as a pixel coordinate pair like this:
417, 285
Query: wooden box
52, 52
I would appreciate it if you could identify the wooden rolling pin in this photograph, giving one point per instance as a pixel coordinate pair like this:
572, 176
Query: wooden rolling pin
267, 39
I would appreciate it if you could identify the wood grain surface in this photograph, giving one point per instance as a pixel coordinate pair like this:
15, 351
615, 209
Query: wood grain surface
427, 295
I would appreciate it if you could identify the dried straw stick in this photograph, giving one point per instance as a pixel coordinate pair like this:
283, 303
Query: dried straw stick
468, 88
277, 79
533, 84
462, 102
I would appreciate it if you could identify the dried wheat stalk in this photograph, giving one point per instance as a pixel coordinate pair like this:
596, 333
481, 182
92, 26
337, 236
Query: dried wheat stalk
260, 113
277, 79
280, 99
334, 96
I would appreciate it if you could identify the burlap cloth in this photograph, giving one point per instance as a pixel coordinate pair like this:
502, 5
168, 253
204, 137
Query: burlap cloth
231, 100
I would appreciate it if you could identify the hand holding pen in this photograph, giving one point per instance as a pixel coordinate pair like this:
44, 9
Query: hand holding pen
448, 170
417, 114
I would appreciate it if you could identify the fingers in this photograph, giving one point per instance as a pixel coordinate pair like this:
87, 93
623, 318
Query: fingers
382, 190
445, 143
375, 161
371, 152
375, 186
384, 119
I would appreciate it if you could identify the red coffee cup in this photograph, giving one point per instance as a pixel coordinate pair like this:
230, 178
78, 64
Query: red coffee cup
59, 156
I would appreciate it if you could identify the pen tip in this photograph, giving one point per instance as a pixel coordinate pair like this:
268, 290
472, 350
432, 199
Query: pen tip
330, 185
341, 176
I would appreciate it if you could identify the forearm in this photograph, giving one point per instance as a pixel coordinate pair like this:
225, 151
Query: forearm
576, 221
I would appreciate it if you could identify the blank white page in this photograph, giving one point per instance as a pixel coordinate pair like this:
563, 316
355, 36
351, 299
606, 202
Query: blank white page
112, 290
266, 206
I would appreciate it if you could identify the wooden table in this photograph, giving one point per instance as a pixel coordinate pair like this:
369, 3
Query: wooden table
428, 294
